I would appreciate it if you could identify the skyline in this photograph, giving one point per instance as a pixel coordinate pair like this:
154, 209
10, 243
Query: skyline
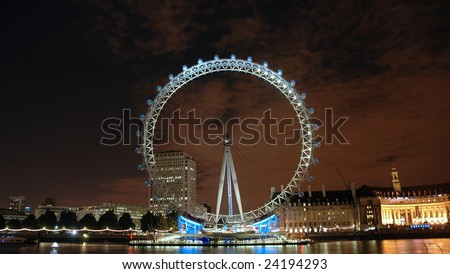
70, 65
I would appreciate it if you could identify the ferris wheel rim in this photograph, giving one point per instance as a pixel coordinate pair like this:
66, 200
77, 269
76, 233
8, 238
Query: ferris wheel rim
233, 64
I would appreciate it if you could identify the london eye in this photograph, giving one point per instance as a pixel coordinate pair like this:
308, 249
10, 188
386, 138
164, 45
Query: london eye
287, 88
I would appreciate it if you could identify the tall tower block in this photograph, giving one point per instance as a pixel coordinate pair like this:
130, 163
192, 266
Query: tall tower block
175, 173
395, 180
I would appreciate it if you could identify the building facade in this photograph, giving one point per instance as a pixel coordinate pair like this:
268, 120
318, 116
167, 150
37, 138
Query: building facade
17, 203
135, 211
175, 183
10, 214
367, 208
406, 206
318, 212
119, 209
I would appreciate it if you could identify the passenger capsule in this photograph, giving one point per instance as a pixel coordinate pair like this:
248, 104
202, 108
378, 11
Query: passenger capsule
311, 110
249, 59
233, 56
159, 88
149, 102
199, 61
142, 117
280, 72
185, 67
265, 64
170, 77
216, 57
138, 150
303, 96
292, 83
140, 167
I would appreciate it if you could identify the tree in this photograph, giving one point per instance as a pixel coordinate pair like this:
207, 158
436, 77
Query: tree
30, 222
149, 222
172, 219
68, 219
88, 221
125, 221
108, 220
162, 222
48, 219
2, 221
14, 224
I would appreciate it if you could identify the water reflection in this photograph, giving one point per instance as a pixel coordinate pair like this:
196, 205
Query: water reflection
416, 246
406, 246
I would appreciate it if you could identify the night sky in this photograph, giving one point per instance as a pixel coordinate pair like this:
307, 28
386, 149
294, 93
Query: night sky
68, 65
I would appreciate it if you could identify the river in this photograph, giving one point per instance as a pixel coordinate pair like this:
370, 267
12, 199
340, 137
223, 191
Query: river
404, 246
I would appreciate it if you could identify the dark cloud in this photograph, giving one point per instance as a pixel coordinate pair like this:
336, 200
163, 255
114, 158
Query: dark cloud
388, 159
71, 64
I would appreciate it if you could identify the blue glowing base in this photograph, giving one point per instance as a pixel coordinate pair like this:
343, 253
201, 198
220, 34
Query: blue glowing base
191, 233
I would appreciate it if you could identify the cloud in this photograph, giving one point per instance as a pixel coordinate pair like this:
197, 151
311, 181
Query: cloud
383, 64
136, 30
388, 159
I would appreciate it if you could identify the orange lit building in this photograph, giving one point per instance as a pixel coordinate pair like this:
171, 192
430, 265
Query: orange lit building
367, 208
319, 212
406, 206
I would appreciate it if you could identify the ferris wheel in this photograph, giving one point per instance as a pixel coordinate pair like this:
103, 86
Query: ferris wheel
232, 64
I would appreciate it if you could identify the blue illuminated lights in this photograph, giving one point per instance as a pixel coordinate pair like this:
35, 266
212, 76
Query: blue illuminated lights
421, 226
188, 226
267, 225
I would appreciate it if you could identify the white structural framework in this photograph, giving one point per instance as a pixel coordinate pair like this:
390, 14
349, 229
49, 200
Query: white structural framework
229, 172
233, 64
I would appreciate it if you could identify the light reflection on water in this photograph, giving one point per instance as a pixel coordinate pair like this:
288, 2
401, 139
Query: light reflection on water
406, 246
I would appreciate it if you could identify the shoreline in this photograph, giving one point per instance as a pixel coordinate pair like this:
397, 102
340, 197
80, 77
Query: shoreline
316, 237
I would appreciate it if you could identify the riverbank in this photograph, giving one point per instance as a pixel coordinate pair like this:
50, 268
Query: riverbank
124, 238
405, 246
381, 234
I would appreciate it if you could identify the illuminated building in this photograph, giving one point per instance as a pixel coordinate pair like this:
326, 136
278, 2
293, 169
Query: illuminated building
366, 208
405, 206
10, 214
175, 186
40, 210
50, 204
136, 212
17, 202
319, 211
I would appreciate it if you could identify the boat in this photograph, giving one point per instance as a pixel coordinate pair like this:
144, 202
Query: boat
303, 241
188, 241
11, 240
